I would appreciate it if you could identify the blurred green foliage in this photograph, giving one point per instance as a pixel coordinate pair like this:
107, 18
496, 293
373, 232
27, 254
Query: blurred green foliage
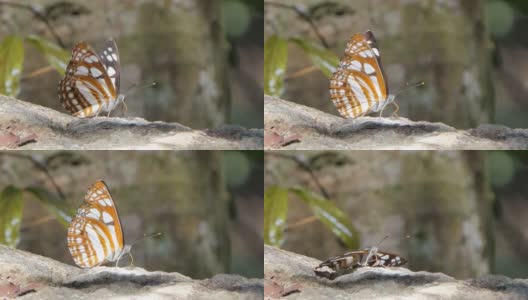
275, 213
11, 63
520, 5
276, 60
276, 201
236, 168
322, 58
12, 60
501, 167
11, 208
500, 17
55, 55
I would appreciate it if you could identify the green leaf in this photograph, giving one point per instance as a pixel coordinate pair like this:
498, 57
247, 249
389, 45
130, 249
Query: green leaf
56, 56
275, 60
275, 212
322, 58
54, 204
11, 206
11, 63
331, 216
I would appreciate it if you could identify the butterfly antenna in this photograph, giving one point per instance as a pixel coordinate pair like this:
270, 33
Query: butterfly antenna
144, 238
408, 86
382, 240
134, 86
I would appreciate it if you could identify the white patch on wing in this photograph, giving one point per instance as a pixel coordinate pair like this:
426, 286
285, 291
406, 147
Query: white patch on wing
107, 218
106, 243
358, 92
376, 51
375, 82
82, 70
94, 213
95, 72
114, 56
113, 235
85, 90
111, 71
355, 65
369, 69
94, 241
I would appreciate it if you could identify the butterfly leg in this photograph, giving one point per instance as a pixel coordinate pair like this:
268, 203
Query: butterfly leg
395, 113
383, 108
131, 260
125, 107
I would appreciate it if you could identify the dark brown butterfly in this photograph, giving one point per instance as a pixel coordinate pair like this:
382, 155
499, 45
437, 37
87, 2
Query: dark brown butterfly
348, 262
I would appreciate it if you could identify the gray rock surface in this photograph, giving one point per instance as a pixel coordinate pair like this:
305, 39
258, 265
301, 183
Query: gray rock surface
29, 276
292, 126
24, 125
288, 269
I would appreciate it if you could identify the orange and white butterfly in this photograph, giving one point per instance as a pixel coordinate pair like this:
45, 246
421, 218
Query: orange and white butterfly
95, 235
358, 85
91, 82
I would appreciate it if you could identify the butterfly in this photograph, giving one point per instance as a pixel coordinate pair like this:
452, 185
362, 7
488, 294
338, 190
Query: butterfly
91, 82
348, 262
95, 235
358, 86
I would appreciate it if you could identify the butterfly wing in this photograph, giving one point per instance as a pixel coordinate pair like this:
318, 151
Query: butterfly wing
385, 259
340, 265
110, 59
95, 235
358, 86
87, 89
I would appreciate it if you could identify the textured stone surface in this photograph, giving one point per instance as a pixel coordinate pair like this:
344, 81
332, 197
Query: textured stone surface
35, 277
24, 125
296, 127
290, 269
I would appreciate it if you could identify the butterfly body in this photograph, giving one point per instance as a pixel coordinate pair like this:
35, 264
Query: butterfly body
95, 235
91, 83
358, 85
348, 262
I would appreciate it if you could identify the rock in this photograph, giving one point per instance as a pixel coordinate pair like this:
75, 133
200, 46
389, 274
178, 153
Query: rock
36, 277
316, 130
291, 269
51, 129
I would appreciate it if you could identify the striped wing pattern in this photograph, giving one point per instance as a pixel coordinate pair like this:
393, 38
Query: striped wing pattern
91, 82
95, 235
350, 261
358, 86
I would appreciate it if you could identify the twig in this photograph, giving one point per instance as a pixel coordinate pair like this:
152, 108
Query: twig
302, 72
40, 167
38, 72
303, 165
306, 17
38, 15
301, 222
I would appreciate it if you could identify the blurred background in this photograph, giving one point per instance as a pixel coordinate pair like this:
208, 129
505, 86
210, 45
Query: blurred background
204, 56
462, 213
471, 54
207, 205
